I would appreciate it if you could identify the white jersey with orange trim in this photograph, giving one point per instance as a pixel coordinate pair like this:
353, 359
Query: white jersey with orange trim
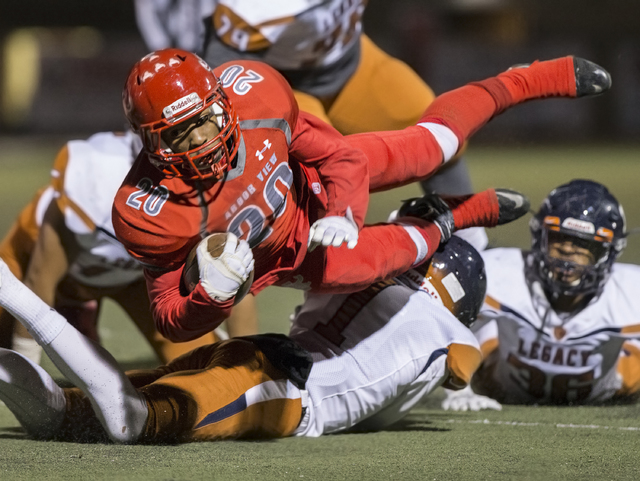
85, 178
534, 355
376, 354
292, 34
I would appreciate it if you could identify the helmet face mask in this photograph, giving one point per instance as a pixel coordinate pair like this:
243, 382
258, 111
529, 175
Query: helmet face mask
572, 265
176, 91
577, 235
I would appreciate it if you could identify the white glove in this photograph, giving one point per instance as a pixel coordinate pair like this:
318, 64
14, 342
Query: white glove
222, 276
467, 400
334, 230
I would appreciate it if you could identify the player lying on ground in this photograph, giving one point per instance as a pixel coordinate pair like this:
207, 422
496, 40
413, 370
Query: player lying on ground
352, 361
63, 246
561, 322
228, 151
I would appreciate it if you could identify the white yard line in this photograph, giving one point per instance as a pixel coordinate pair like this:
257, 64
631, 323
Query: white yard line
557, 425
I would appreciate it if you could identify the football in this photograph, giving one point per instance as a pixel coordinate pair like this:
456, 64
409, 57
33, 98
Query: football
191, 271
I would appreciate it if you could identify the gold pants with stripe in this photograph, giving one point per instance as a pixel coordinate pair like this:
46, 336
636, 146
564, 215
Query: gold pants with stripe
227, 390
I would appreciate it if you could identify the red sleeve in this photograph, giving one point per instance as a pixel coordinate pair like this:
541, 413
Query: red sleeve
183, 318
343, 170
147, 247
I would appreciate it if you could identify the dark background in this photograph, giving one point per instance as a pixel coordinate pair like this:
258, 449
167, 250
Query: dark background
86, 49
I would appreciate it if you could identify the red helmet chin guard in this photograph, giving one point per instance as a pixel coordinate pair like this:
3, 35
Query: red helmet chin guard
168, 87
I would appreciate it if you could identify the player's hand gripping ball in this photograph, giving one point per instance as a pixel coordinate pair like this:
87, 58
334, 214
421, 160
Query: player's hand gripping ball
223, 264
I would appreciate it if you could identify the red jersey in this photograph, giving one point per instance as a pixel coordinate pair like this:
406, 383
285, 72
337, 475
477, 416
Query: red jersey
290, 170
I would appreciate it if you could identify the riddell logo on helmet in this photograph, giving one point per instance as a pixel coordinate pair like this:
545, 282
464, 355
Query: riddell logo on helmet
180, 105
579, 225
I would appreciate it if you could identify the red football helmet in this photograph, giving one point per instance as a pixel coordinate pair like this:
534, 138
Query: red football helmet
168, 87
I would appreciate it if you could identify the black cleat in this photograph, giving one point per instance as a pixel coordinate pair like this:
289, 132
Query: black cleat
591, 79
513, 205
432, 208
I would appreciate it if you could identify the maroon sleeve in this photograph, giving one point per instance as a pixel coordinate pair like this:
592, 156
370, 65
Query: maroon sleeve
343, 170
183, 318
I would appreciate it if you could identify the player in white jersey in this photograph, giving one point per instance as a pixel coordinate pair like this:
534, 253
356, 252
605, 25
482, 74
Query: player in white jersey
561, 323
352, 362
64, 247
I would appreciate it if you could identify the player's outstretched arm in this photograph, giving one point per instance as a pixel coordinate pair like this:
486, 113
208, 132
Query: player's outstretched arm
121, 409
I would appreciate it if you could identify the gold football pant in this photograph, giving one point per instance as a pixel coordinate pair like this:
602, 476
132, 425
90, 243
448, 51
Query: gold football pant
226, 390
384, 93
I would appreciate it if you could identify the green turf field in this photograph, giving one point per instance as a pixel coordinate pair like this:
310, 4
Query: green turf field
536, 443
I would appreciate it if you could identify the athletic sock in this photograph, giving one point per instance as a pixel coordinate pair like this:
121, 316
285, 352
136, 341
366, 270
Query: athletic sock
426, 236
550, 78
466, 109
474, 210
42, 321
122, 410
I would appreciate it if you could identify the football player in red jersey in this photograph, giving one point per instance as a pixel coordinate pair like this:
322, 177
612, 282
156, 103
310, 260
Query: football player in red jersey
229, 151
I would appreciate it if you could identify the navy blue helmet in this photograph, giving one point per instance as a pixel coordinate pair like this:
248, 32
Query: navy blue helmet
586, 214
455, 275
